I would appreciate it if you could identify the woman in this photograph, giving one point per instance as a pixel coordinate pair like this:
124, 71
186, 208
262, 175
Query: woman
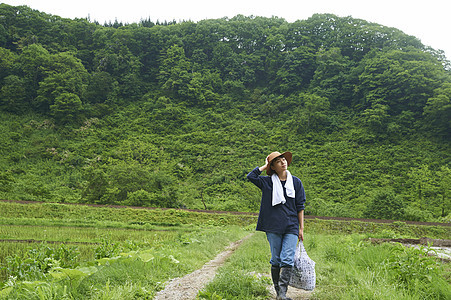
281, 215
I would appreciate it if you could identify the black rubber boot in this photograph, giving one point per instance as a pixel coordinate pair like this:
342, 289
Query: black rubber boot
285, 276
275, 275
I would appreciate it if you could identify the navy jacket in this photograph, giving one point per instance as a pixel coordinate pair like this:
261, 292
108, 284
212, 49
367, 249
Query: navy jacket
281, 218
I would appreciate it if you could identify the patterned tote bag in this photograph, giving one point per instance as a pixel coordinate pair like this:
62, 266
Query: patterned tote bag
303, 276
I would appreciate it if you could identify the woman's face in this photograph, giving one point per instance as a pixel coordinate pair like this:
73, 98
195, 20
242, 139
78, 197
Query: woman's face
279, 164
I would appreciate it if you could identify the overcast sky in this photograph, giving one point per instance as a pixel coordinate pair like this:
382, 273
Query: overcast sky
429, 21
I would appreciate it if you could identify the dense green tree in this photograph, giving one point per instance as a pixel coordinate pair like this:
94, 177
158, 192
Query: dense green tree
3, 36
64, 74
32, 63
13, 96
377, 117
296, 71
64, 62
331, 78
354, 37
174, 74
385, 204
438, 110
227, 61
444, 190
96, 185
141, 198
315, 110
403, 80
55, 85
7, 61
67, 108
101, 87
112, 55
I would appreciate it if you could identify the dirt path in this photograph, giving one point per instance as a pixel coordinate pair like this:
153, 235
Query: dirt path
294, 294
187, 287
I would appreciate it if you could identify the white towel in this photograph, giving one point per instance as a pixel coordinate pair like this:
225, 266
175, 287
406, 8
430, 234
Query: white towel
277, 189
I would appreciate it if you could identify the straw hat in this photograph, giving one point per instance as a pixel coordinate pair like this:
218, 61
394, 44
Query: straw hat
288, 156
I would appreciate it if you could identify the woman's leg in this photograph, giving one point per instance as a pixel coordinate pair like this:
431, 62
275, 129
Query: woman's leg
275, 244
289, 243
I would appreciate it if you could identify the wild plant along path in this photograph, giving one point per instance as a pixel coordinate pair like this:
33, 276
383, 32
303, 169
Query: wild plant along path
188, 286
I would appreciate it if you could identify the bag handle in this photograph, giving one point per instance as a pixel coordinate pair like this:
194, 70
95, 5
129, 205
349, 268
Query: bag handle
301, 247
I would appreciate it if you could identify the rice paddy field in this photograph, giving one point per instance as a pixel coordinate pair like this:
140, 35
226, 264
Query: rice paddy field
58, 251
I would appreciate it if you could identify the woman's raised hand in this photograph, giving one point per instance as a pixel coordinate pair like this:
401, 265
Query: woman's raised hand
265, 166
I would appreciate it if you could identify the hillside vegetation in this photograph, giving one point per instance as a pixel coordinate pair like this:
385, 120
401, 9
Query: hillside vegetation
176, 114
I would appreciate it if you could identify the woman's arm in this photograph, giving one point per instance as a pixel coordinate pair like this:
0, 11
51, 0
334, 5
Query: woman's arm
265, 166
301, 224
300, 206
254, 175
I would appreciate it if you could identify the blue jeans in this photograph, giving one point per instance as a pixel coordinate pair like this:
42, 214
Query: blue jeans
282, 247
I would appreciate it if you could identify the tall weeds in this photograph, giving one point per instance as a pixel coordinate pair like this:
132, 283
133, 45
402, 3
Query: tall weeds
347, 267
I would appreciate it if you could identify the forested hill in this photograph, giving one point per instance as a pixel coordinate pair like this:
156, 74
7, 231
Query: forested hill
176, 114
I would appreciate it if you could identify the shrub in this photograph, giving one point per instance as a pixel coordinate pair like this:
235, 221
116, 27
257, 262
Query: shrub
385, 204
410, 264
139, 198
412, 213
38, 261
106, 250
6, 179
235, 285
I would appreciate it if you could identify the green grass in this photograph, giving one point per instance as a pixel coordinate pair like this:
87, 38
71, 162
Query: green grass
85, 234
131, 273
173, 259
85, 239
347, 267
397, 229
238, 278
136, 256
86, 214
156, 245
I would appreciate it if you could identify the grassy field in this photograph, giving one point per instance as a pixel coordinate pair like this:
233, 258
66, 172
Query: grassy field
347, 267
56, 251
